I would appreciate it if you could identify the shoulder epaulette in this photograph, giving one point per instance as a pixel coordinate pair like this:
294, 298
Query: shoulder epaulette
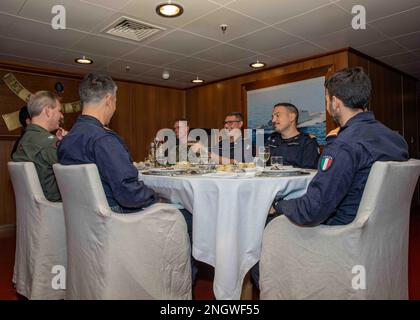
333, 133
108, 129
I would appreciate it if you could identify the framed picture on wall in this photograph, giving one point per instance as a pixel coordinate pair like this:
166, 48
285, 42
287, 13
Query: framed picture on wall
304, 90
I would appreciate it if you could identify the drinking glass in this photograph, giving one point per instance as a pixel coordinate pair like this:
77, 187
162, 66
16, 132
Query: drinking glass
277, 161
161, 157
264, 154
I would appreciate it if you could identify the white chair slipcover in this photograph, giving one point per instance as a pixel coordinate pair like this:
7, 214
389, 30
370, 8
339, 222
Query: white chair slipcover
40, 236
329, 262
144, 255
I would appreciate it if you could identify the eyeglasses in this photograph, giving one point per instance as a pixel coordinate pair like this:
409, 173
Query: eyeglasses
230, 122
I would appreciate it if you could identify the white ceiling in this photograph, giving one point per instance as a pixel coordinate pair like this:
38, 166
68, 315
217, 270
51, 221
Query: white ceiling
193, 44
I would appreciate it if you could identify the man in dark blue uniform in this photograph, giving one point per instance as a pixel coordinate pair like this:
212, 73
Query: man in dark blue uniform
232, 147
90, 141
297, 149
334, 194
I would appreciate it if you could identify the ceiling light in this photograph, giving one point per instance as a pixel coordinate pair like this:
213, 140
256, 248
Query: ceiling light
165, 74
83, 60
257, 64
169, 9
197, 80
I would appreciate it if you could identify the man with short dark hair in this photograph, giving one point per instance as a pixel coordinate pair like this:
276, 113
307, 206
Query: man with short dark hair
297, 149
334, 194
232, 148
90, 141
38, 145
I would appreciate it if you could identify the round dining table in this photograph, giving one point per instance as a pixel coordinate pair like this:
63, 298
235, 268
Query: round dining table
229, 215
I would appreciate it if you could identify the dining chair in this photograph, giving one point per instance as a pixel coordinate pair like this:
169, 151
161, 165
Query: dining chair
141, 255
40, 256
366, 259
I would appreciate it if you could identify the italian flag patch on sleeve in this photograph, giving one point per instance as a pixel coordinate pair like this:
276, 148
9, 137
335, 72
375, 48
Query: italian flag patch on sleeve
326, 163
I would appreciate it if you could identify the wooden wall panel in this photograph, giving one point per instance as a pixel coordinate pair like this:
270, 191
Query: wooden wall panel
122, 121
417, 193
394, 103
411, 130
144, 109
410, 125
356, 60
410, 115
386, 100
154, 108
392, 91
141, 111
7, 198
208, 104
10, 102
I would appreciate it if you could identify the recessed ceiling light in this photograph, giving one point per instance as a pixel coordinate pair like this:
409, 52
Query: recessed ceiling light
169, 9
257, 64
83, 60
197, 80
165, 74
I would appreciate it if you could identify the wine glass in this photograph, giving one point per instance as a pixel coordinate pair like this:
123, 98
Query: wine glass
264, 154
161, 158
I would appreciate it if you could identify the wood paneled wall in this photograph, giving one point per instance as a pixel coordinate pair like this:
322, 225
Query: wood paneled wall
144, 109
394, 102
393, 98
7, 197
410, 115
386, 100
208, 104
154, 108
34, 82
141, 111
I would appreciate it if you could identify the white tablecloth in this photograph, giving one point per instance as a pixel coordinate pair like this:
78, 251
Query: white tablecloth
228, 219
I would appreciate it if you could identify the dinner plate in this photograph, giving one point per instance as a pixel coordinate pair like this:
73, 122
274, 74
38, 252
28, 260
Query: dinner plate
283, 168
221, 174
165, 171
255, 169
283, 173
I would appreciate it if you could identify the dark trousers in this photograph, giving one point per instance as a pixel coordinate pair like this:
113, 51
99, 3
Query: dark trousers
188, 219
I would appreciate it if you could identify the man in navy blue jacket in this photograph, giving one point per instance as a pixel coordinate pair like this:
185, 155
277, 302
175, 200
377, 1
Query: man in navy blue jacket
297, 149
90, 141
334, 194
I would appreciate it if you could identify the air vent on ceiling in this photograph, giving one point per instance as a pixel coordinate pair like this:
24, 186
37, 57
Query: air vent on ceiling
132, 29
